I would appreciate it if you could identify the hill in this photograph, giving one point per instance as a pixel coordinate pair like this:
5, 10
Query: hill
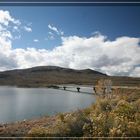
47, 75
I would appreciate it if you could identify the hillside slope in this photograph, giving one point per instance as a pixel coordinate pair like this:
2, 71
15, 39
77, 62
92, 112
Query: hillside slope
47, 75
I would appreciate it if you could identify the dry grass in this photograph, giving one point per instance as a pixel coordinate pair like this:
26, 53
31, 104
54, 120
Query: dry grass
117, 115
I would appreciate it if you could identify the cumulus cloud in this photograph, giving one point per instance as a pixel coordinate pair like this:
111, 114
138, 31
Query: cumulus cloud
54, 29
36, 40
136, 72
117, 57
5, 35
5, 18
28, 29
6, 61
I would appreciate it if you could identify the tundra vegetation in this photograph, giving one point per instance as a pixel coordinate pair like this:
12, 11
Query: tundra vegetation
116, 113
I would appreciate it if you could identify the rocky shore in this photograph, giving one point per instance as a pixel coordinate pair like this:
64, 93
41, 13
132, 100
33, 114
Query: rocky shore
21, 128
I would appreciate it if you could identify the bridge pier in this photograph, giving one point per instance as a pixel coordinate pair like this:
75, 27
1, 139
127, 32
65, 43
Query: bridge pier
94, 89
64, 88
78, 89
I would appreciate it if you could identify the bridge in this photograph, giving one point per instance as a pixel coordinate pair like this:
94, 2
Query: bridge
76, 88
89, 89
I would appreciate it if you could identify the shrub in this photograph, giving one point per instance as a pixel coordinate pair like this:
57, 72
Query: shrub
120, 119
118, 116
124, 109
75, 123
103, 105
37, 131
136, 105
68, 125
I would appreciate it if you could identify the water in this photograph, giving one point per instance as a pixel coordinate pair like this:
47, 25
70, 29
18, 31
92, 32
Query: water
26, 103
83, 89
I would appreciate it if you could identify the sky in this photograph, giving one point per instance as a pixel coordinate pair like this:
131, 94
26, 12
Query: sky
102, 38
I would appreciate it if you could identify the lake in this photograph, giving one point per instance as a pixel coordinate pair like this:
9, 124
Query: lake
17, 104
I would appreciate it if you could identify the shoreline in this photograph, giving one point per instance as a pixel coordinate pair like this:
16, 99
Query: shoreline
21, 128
58, 86
12, 129
46, 125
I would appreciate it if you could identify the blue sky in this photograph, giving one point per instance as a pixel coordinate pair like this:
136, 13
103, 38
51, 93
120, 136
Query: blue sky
112, 21
102, 38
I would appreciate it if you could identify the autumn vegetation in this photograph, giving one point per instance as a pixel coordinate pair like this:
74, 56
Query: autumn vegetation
116, 113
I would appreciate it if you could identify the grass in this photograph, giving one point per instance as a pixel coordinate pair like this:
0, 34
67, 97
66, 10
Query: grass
117, 115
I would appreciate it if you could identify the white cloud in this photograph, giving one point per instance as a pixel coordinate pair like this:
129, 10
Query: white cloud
17, 37
118, 57
28, 29
5, 18
50, 33
53, 28
16, 29
51, 36
36, 40
5, 35
136, 72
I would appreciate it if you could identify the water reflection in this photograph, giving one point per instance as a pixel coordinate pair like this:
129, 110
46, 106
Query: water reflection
25, 103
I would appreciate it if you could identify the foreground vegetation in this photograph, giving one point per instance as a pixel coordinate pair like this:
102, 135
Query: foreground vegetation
116, 113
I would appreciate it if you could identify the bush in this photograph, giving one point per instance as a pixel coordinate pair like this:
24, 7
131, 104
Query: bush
136, 105
37, 132
114, 118
124, 109
68, 125
103, 105
118, 116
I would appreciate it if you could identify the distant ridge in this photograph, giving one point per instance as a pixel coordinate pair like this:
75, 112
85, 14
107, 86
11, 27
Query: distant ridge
56, 68
43, 69
43, 76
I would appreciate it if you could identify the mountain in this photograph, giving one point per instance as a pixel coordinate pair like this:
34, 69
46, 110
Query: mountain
48, 75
